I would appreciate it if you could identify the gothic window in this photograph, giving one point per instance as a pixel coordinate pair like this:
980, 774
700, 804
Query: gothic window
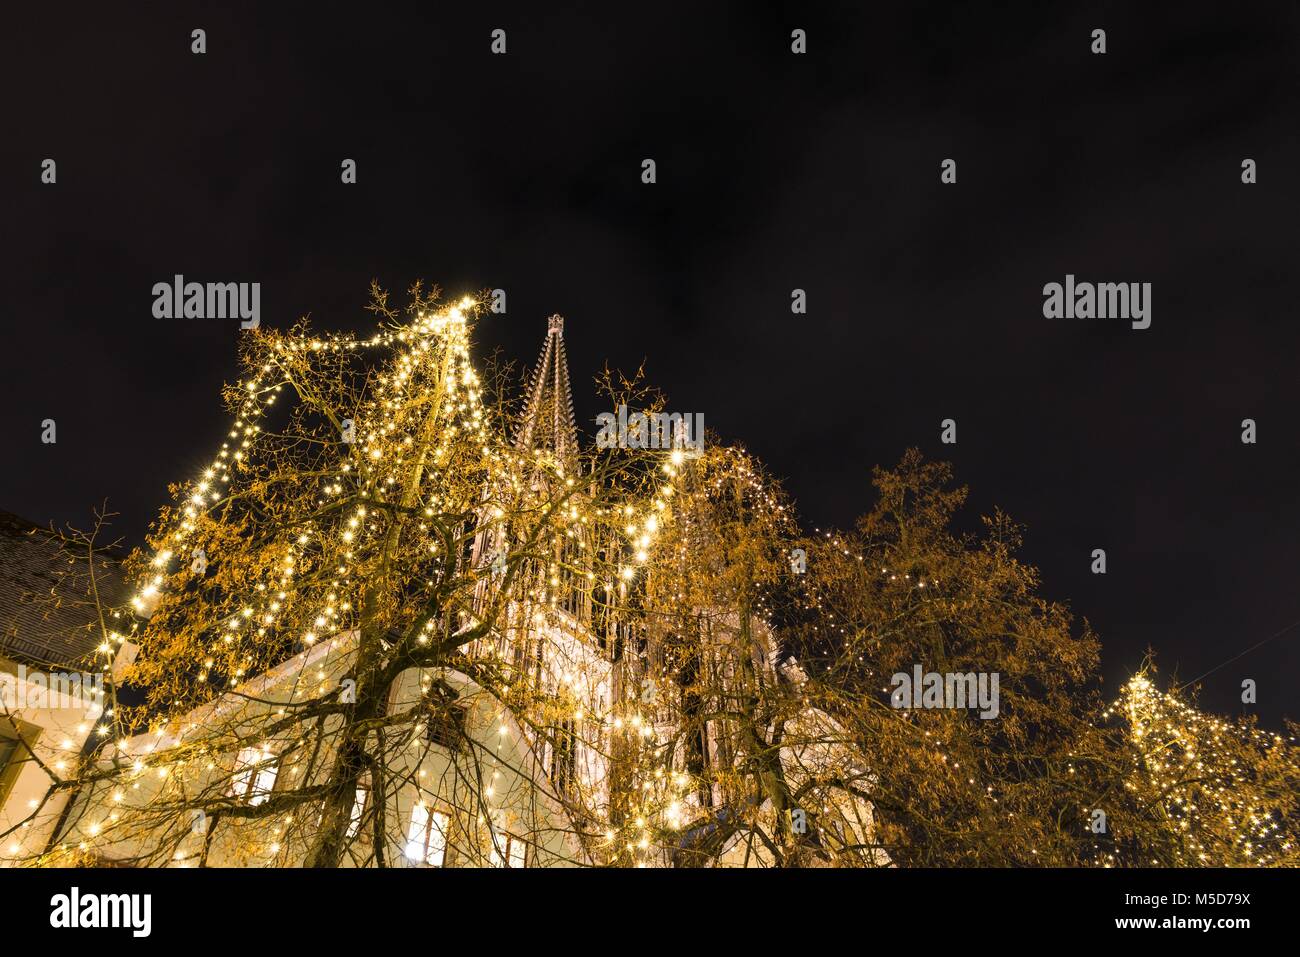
564, 754
11, 753
426, 837
601, 597
521, 647
508, 851
697, 730
570, 595
8, 745
468, 532
254, 777
445, 726
358, 812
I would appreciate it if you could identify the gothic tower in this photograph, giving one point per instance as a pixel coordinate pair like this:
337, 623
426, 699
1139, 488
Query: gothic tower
547, 424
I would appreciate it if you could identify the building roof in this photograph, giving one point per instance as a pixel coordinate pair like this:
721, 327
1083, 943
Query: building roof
47, 617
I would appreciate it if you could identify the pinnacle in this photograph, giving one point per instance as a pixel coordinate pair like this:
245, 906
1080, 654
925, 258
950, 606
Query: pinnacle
548, 423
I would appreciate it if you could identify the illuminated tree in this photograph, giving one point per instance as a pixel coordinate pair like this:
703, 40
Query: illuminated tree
776, 781
1056, 777
1197, 789
386, 527
902, 590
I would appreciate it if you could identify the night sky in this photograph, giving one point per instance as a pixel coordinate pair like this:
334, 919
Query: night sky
775, 171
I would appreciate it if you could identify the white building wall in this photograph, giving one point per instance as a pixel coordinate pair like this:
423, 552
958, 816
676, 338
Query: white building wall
55, 724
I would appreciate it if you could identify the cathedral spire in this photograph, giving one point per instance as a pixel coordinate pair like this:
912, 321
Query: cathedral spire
548, 414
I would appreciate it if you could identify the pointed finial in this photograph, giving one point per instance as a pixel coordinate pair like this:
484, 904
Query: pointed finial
555, 325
